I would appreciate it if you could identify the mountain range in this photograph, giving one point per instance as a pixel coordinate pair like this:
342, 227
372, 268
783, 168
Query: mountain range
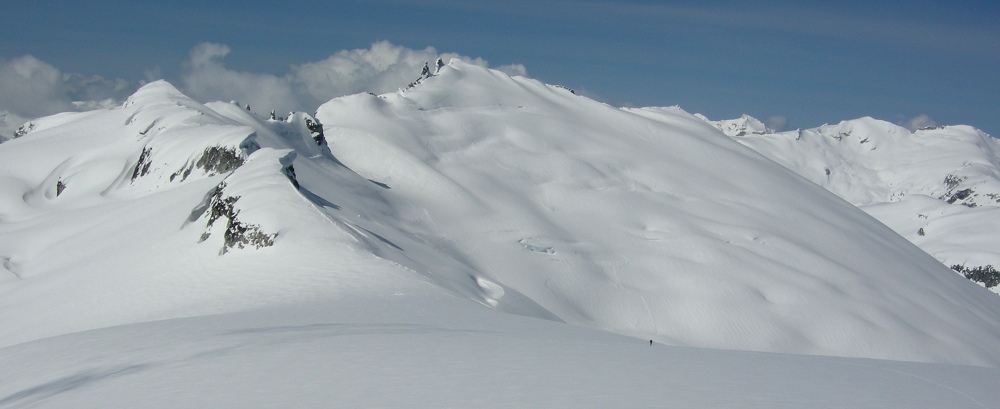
477, 239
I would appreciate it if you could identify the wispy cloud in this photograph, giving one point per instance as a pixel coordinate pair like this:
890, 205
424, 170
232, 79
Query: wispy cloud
918, 122
776, 122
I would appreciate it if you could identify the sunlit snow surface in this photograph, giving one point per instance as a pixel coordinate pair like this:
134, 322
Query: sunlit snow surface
456, 244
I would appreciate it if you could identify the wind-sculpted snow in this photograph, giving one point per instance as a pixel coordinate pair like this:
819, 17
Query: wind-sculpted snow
938, 187
516, 195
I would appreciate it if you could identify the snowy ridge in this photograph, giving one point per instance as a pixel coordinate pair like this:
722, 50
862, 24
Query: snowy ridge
109, 199
938, 187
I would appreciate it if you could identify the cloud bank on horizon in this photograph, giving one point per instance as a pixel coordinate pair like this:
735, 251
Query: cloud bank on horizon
31, 88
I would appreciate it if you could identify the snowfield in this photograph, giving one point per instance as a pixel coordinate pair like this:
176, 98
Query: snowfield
394, 351
473, 240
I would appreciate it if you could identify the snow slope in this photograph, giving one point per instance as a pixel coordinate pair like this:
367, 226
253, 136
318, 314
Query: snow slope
938, 187
470, 191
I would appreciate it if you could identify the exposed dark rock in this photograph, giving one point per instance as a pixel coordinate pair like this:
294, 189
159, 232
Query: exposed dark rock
243, 235
966, 195
289, 171
217, 159
986, 275
952, 181
960, 195
142, 167
238, 234
24, 129
571, 91
316, 130
60, 186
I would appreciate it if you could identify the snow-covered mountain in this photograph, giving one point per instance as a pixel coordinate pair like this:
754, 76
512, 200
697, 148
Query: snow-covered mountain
167, 239
938, 187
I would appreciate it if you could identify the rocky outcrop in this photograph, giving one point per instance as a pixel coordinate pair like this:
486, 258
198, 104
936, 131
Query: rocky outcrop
238, 234
315, 130
24, 130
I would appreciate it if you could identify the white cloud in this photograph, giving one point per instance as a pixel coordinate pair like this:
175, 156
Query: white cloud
31, 88
919, 121
9, 122
776, 122
207, 79
384, 67
81, 88
513, 69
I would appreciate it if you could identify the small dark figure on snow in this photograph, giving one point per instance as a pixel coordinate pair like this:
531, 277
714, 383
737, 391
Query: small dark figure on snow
650, 342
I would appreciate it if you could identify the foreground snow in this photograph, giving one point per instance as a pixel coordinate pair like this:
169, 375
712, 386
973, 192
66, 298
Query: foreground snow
422, 350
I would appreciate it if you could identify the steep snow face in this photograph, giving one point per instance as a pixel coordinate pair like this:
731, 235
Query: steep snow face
503, 192
938, 187
650, 223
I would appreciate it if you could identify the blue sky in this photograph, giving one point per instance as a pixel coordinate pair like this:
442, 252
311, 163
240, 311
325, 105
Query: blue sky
810, 62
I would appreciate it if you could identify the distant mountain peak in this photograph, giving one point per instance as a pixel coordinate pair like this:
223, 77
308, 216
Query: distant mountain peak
939, 187
742, 126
